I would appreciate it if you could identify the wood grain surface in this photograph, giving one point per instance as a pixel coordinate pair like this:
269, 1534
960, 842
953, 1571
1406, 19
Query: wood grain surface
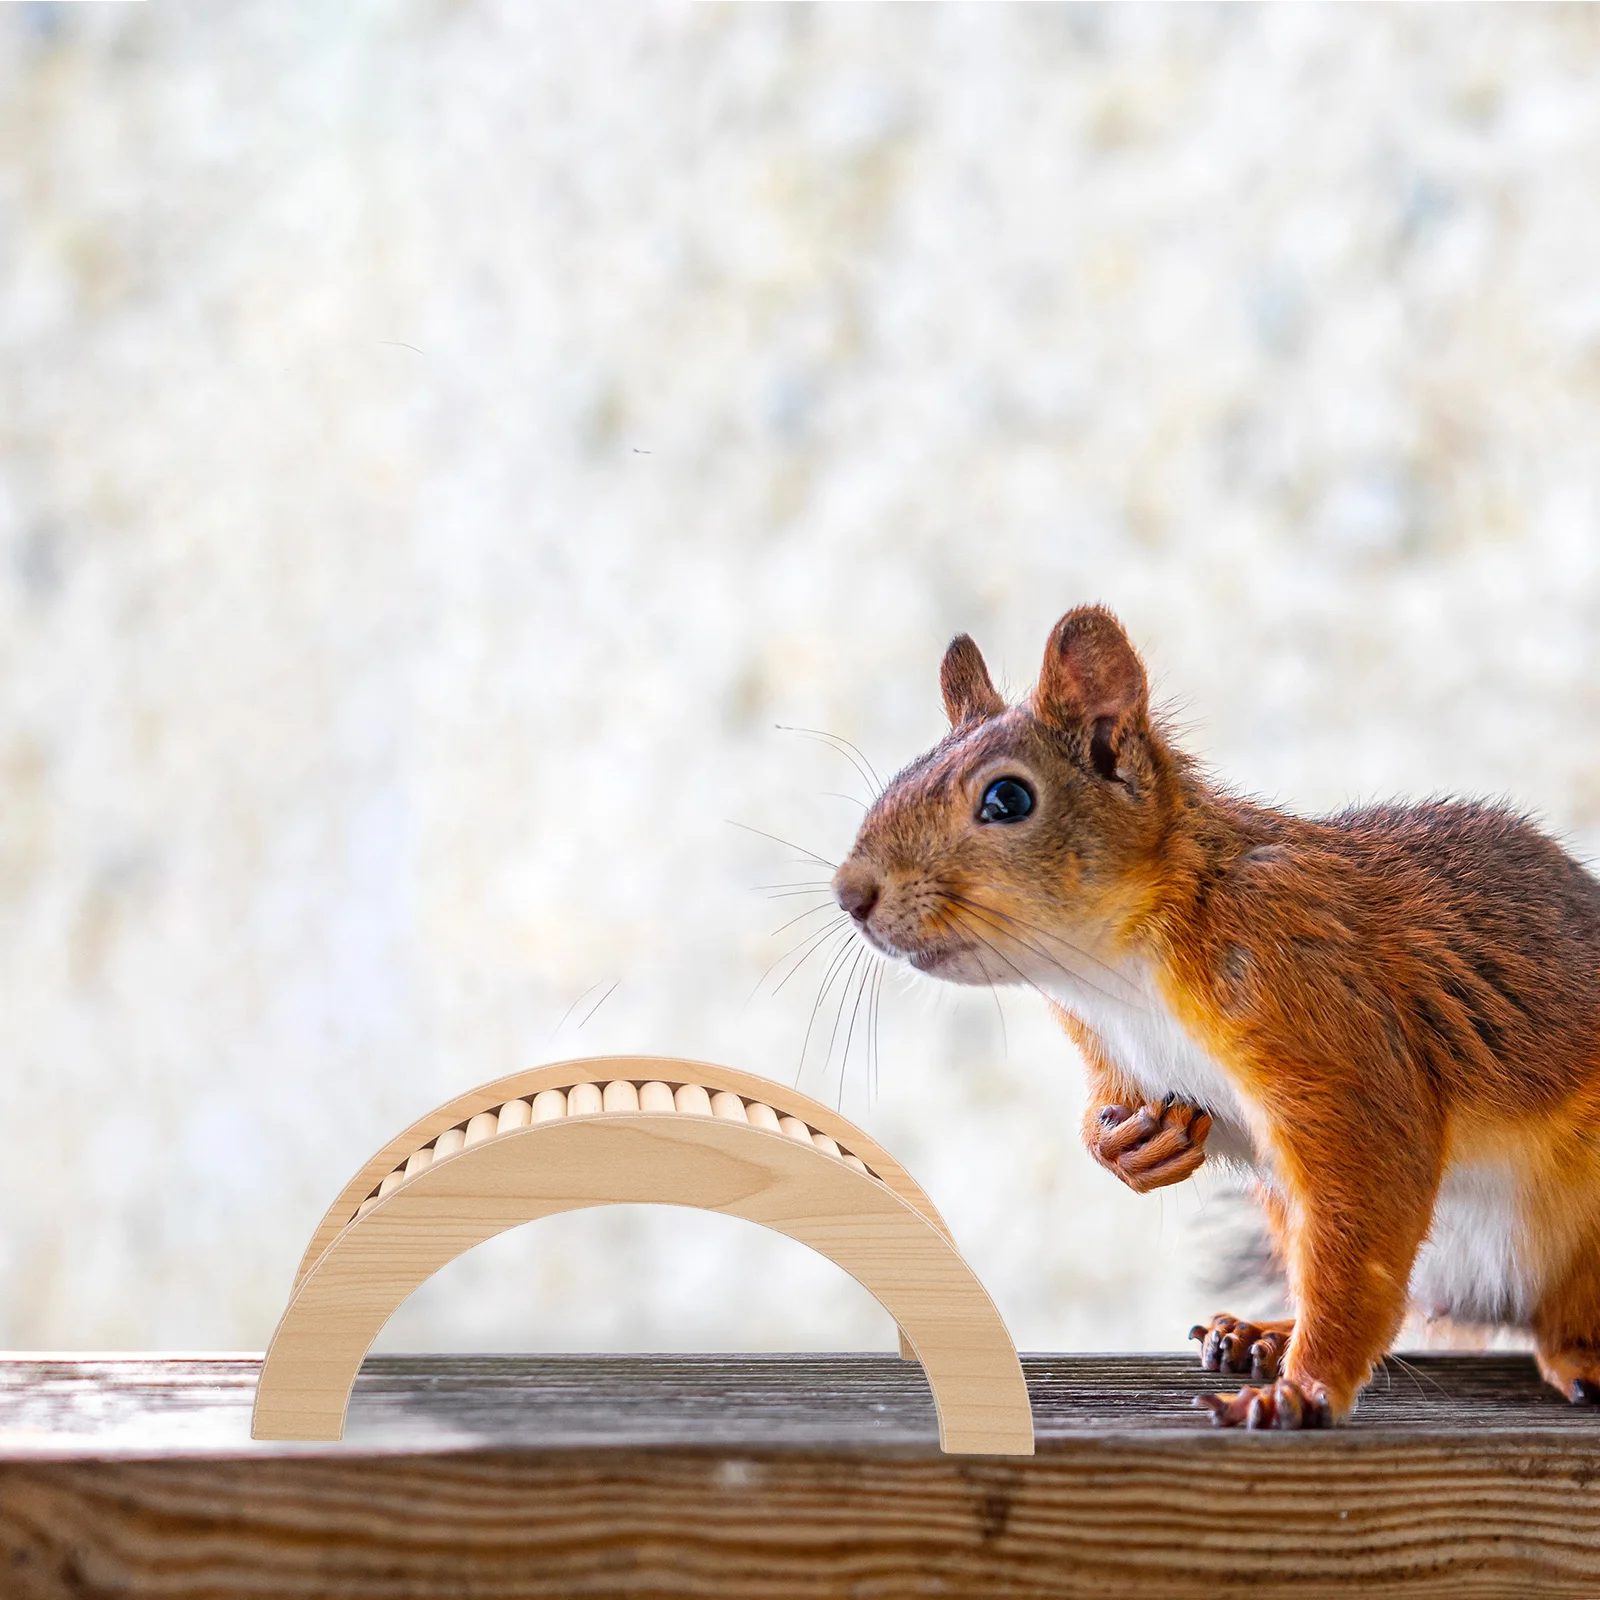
804, 1476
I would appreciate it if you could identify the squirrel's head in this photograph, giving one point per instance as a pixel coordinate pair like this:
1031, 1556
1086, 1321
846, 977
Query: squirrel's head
1028, 829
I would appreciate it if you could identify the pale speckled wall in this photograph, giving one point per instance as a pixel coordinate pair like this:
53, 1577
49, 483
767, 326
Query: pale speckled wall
439, 443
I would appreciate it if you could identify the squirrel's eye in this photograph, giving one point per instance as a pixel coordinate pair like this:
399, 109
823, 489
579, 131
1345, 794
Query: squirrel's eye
1006, 800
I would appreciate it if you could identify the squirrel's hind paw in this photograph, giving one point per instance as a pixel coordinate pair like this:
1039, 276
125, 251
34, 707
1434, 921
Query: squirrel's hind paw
1575, 1373
1275, 1405
1228, 1344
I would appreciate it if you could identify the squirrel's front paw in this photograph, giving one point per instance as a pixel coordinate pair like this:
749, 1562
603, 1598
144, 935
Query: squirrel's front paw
1152, 1145
1275, 1405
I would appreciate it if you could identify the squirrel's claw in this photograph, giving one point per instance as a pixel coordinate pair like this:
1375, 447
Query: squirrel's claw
1283, 1404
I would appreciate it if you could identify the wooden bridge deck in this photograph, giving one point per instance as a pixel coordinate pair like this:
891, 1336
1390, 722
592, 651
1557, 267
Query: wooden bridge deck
787, 1477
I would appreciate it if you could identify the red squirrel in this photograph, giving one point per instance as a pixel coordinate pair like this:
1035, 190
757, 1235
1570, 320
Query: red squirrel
1391, 1015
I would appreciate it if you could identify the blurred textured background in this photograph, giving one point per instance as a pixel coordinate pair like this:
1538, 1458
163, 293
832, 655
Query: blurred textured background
440, 444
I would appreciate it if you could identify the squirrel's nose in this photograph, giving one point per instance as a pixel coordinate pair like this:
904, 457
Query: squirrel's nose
856, 889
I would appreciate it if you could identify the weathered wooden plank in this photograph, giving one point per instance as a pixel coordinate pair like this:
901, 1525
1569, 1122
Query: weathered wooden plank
1137, 1516
788, 1476
119, 1405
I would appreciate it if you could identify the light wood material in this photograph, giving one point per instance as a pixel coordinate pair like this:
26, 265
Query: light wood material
514, 1114
760, 1115
559, 1075
881, 1237
727, 1105
784, 1478
692, 1100
546, 1087
620, 1096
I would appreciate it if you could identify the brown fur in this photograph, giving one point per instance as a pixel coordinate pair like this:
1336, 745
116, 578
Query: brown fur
1390, 992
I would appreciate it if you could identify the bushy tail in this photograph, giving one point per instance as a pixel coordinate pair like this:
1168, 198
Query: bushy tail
1246, 1272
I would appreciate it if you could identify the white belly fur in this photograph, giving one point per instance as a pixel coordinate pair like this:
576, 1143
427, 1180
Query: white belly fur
1474, 1265
1150, 1046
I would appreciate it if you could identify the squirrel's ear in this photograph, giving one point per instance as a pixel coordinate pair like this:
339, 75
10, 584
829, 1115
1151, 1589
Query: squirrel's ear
969, 694
1092, 679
